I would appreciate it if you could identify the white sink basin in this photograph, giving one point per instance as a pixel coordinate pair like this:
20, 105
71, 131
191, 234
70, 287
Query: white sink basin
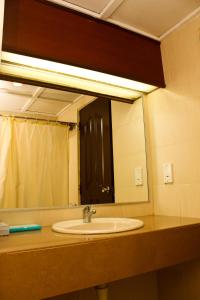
97, 226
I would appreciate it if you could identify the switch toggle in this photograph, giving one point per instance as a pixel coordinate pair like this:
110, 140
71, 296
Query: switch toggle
138, 176
167, 173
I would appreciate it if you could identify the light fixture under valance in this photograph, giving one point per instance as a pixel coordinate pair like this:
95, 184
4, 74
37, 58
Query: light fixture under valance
35, 69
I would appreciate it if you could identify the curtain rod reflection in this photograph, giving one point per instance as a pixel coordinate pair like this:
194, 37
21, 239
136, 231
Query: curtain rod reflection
70, 124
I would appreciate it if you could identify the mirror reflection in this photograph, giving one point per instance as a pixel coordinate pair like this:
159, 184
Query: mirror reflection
60, 149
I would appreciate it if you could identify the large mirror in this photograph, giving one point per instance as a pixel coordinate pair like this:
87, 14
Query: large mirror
63, 149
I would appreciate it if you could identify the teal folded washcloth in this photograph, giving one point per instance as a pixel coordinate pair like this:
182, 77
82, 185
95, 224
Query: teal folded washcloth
29, 227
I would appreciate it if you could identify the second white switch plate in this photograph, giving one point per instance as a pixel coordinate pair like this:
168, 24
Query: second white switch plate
168, 173
138, 176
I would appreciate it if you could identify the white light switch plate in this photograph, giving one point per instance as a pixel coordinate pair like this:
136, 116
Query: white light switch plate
167, 173
138, 176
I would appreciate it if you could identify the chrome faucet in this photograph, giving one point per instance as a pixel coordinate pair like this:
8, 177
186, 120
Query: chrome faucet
87, 213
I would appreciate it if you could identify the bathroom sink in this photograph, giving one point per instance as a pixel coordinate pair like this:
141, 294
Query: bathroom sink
97, 225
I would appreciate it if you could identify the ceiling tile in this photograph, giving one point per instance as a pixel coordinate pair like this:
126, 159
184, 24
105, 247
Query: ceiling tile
154, 17
59, 95
92, 5
49, 101
25, 89
11, 102
47, 106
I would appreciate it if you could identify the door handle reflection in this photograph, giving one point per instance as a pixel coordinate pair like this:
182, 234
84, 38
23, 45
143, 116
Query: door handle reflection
106, 189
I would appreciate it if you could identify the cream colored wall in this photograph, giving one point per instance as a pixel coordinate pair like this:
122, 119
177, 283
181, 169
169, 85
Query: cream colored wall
46, 217
73, 168
129, 151
173, 116
174, 124
71, 115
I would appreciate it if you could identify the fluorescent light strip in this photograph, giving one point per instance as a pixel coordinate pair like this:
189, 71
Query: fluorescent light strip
77, 72
67, 81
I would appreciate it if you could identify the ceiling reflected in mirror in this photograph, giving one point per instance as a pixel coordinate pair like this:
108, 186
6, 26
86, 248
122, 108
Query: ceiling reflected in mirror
27, 100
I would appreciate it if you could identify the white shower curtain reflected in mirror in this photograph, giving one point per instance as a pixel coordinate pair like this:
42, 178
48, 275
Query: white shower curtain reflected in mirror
34, 163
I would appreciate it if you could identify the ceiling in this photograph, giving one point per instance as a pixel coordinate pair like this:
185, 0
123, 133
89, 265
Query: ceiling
93, 5
28, 100
153, 18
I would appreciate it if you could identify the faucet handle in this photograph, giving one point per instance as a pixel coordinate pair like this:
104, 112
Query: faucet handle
93, 211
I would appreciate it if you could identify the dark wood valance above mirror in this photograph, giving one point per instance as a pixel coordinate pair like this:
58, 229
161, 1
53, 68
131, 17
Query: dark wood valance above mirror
41, 29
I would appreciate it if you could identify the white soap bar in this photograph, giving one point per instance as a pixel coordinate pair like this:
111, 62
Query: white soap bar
4, 229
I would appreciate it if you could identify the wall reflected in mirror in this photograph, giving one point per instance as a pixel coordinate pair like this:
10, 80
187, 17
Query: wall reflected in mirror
51, 154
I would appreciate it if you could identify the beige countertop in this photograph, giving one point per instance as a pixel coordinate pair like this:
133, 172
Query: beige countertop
42, 264
47, 238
